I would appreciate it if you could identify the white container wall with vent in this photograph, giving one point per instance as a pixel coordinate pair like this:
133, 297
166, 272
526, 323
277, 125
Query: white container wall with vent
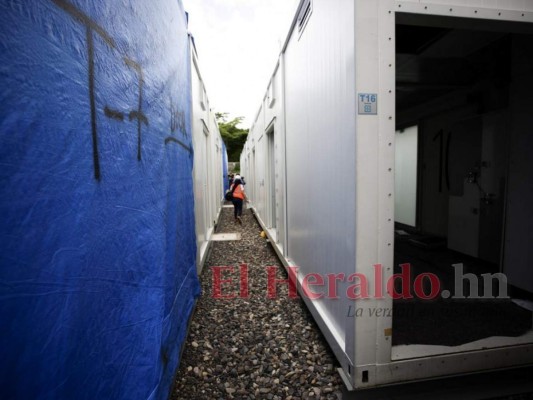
455, 76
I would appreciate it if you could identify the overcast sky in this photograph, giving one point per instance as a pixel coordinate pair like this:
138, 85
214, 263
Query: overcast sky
238, 43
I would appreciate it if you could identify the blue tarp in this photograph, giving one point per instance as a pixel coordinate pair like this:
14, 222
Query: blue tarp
225, 167
97, 245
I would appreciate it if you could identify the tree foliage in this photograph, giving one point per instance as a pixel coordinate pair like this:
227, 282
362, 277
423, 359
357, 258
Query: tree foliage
234, 137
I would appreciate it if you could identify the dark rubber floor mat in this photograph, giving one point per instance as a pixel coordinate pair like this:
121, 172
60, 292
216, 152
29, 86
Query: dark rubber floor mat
458, 321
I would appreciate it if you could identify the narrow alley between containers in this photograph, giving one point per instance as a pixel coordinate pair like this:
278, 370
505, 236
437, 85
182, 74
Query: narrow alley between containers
255, 347
389, 152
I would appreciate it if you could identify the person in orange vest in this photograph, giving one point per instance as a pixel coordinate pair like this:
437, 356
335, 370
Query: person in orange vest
238, 198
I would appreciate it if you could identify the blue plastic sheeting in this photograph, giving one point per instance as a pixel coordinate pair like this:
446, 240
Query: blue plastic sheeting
97, 244
225, 167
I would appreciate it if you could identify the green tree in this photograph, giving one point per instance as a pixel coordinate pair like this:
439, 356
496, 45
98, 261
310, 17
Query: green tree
234, 137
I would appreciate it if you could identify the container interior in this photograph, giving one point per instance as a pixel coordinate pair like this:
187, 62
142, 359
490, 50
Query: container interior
463, 183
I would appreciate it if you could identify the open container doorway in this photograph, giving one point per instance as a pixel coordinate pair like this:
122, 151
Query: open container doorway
464, 182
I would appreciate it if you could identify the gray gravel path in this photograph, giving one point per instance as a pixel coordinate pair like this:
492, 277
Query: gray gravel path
255, 347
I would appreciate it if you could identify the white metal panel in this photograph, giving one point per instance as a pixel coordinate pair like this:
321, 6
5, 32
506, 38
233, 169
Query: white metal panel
282, 178
387, 128
513, 10
367, 176
199, 172
269, 121
403, 352
405, 165
207, 166
273, 128
281, 161
374, 44
518, 5
260, 164
320, 140
453, 364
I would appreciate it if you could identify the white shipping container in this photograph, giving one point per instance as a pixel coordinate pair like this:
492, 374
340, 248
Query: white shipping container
208, 162
400, 132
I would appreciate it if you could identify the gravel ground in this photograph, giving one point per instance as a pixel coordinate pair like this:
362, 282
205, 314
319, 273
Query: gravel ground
255, 347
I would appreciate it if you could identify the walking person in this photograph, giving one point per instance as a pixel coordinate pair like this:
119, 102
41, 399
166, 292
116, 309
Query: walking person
238, 198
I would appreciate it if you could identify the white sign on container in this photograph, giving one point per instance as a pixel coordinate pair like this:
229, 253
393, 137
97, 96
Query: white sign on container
368, 103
